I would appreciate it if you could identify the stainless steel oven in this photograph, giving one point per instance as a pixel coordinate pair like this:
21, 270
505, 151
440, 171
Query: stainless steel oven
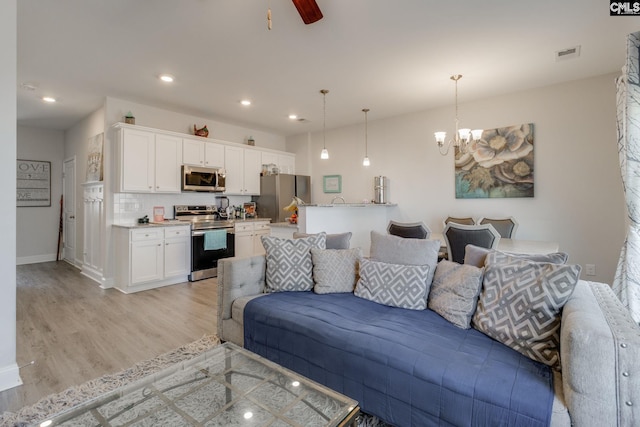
205, 219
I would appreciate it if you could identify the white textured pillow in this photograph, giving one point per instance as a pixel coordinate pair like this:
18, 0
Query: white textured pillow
397, 285
454, 292
289, 263
520, 305
397, 250
335, 270
475, 255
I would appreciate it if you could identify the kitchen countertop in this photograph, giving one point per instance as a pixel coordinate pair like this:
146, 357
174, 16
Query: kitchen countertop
346, 205
284, 224
176, 222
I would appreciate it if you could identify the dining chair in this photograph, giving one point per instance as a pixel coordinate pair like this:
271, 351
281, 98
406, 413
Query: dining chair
411, 230
464, 221
458, 236
505, 226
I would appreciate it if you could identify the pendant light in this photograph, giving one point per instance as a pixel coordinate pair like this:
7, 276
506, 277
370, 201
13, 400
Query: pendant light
366, 161
461, 137
324, 155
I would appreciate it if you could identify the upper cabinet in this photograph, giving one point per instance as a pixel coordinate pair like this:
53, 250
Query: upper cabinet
243, 167
148, 162
202, 153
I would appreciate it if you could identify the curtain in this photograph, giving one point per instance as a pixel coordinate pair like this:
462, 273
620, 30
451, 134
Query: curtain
626, 283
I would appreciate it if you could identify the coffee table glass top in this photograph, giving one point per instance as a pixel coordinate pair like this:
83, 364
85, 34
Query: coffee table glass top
225, 386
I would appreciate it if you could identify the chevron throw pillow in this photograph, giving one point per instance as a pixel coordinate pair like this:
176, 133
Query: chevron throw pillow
403, 286
335, 270
520, 305
289, 263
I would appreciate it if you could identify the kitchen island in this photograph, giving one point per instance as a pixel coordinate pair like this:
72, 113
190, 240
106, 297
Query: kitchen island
358, 218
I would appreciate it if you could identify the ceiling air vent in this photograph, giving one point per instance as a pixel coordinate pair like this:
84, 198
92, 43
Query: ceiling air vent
569, 53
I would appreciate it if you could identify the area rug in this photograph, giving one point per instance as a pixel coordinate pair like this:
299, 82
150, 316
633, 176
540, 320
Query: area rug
73, 396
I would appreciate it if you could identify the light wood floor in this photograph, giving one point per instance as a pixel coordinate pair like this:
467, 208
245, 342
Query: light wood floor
75, 331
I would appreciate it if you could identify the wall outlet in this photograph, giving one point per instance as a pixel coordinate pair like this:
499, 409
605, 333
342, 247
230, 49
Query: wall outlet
590, 269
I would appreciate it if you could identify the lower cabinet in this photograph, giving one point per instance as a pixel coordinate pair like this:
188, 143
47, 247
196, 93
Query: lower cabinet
248, 236
151, 257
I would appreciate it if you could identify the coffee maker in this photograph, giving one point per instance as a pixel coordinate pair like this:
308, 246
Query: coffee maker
223, 207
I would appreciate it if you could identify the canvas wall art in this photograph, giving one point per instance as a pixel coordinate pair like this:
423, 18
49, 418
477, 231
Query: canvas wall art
499, 165
94, 158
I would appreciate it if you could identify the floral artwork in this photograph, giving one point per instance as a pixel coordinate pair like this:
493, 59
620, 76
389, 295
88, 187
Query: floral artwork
500, 164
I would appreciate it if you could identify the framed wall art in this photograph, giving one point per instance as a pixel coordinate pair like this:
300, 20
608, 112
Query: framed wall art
33, 179
499, 165
94, 158
332, 183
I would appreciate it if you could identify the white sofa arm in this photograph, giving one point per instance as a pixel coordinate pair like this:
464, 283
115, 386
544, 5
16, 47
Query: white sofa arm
237, 277
600, 356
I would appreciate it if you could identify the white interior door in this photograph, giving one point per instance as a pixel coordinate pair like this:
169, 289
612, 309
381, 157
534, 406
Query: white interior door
69, 211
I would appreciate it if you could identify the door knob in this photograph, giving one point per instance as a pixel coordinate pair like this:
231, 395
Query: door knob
72, 217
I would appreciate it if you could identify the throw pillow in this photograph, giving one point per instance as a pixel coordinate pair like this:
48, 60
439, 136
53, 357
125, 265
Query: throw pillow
289, 263
454, 292
475, 255
334, 241
520, 305
398, 250
335, 270
397, 285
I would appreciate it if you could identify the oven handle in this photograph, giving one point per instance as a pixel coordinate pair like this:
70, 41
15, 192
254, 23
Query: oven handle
201, 233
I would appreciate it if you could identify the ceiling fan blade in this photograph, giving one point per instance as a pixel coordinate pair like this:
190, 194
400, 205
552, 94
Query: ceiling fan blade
308, 10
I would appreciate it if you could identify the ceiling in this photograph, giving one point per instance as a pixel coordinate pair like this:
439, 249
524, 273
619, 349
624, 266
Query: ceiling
394, 57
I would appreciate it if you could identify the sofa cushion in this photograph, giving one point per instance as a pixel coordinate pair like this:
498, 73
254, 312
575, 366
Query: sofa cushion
396, 285
454, 292
334, 241
289, 263
335, 270
475, 255
398, 250
521, 302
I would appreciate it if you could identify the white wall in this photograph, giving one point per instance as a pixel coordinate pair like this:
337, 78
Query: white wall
578, 192
37, 227
178, 122
9, 372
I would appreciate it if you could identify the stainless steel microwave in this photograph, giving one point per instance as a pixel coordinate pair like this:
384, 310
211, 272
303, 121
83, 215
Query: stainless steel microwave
202, 179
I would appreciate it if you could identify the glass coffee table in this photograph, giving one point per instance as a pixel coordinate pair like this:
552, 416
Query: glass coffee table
224, 386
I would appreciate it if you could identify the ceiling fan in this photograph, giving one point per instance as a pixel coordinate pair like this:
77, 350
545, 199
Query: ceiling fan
308, 10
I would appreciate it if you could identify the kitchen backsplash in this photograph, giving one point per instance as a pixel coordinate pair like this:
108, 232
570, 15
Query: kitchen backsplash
128, 207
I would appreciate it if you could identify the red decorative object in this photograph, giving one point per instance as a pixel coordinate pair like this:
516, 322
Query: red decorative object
203, 131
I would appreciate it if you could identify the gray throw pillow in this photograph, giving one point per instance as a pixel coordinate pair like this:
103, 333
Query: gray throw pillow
289, 263
475, 255
454, 292
398, 250
335, 270
396, 285
521, 302
334, 241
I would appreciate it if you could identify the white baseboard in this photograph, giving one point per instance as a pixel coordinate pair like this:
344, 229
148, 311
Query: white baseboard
35, 259
10, 377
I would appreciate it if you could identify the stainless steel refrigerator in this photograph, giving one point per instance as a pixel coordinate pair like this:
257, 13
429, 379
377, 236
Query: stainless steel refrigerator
277, 191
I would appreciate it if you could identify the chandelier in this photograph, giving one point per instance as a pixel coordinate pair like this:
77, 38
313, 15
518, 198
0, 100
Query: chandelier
462, 137
366, 161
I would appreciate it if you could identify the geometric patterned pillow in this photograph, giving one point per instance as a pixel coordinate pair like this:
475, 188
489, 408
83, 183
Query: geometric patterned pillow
396, 285
335, 270
454, 292
289, 264
520, 305
476, 255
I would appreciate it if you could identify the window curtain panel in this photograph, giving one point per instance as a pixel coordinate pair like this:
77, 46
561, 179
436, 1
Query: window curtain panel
626, 283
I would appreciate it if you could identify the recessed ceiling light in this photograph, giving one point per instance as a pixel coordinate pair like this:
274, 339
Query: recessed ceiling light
167, 78
245, 102
293, 116
48, 99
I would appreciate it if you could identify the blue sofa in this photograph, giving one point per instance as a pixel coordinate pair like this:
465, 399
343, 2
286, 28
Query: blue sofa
412, 367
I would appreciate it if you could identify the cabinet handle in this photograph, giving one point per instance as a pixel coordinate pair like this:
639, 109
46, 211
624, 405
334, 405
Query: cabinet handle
159, 244
150, 187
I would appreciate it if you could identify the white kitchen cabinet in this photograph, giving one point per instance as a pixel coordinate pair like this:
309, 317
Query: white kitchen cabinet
269, 157
149, 162
150, 257
93, 202
287, 163
243, 168
248, 237
202, 153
